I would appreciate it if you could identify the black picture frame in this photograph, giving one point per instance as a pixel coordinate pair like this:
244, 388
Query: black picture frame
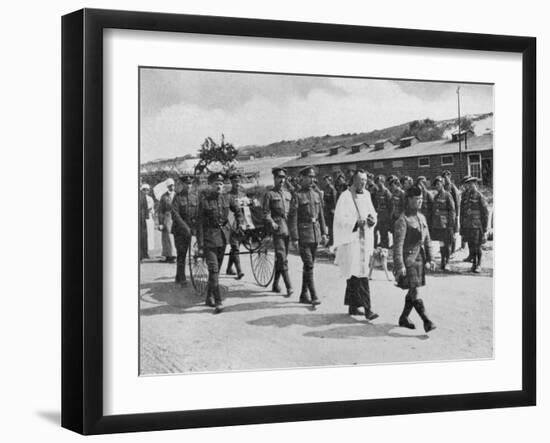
82, 218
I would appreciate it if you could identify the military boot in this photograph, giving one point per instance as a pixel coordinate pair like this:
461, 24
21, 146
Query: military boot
304, 295
276, 287
288, 285
474, 263
443, 257
404, 318
419, 306
314, 299
229, 270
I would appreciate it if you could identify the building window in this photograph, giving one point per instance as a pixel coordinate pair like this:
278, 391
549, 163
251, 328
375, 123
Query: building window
378, 165
447, 160
397, 164
424, 162
474, 165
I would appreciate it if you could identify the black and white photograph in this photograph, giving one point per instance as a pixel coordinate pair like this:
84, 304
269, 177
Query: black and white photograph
293, 221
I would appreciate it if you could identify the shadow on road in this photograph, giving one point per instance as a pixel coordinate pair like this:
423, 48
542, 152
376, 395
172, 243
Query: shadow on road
171, 298
310, 320
363, 329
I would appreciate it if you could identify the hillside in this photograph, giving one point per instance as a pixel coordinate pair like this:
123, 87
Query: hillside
481, 123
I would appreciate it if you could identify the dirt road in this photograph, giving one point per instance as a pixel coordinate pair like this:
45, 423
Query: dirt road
259, 329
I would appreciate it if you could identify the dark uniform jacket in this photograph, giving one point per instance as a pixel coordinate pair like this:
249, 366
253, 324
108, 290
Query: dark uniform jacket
213, 228
398, 203
443, 211
184, 213
427, 204
276, 206
306, 218
455, 194
411, 238
383, 203
474, 213
330, 197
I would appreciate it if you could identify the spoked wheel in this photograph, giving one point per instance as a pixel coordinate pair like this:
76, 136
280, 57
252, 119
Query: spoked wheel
197, 269
262, 261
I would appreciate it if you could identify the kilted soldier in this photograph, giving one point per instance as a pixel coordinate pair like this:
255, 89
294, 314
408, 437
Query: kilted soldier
412, 256
184, 215
383, 204
443, 221
307, 229
427, 198
237, 195
398, 200
330, 196
276, 206
474, 216
213, 232
450, 187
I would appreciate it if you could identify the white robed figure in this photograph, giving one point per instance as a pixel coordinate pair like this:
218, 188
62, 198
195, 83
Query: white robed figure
354, 221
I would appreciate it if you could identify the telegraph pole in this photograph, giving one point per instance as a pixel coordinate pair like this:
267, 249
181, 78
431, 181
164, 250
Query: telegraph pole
459, 140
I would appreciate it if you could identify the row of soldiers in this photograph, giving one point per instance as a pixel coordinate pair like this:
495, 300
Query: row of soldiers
448, 212
303, 214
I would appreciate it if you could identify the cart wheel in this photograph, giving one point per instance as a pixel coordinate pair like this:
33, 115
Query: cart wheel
197, 269
262, 261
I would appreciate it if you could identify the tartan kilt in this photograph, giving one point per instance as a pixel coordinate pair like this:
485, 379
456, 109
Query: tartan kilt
415, 277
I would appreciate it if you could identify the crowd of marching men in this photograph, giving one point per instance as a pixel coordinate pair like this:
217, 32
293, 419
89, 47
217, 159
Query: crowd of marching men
300, 211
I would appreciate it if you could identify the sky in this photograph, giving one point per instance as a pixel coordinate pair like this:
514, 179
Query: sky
180, 108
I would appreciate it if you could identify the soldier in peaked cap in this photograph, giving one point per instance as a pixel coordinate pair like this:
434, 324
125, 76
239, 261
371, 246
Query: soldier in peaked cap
330, 197
412, 255
213, 233
463, 194
238, 196
276, 206
450, 187
383, 204
184, 215
427, 198
307, 229
474, 215
443, 221
398, 199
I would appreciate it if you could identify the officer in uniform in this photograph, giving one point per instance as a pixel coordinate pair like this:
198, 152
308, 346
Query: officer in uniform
398, 200
450, 187
443, 221
427, 199
213, 233
239, 198
307, 229
184, 215
276, 206
383, 204
412, 256
464, 195
330, 196
474, 216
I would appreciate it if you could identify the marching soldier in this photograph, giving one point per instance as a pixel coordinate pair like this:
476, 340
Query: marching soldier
330, 196
240, 199
443, 221
213, 232
412, 256
398, 200
450, 187
184, 214
383, 204
276, 207
464, 195
307, 230
427, 199
474, 218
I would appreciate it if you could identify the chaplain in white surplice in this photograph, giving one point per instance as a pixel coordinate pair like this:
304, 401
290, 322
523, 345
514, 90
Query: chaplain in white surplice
354, 221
